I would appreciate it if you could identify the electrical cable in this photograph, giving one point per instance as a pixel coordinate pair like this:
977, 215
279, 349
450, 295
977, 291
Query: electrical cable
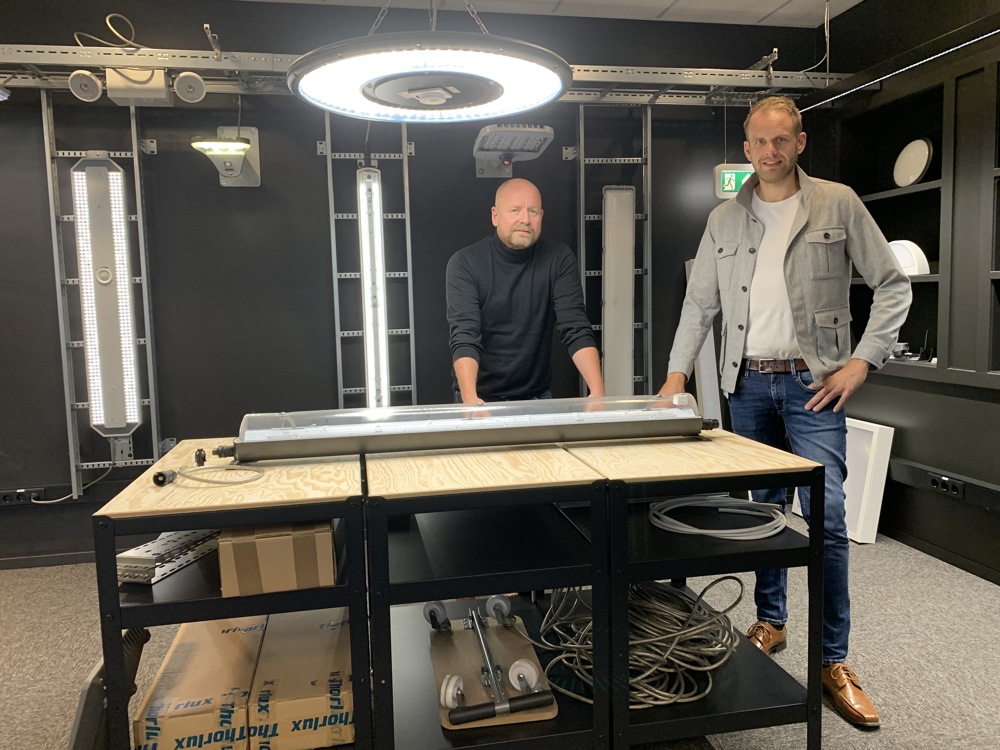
672, 637
826, 56
142, 76
193, 473
85, 487
660, 518
125, 41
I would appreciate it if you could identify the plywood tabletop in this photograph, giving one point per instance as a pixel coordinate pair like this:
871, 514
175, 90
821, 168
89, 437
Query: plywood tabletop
420, 473
718, 454
283, 482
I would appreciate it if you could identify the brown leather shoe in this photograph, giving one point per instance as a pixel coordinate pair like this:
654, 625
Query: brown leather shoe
849, 699
768, 638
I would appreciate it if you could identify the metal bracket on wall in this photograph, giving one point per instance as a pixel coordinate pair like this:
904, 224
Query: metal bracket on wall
121, 449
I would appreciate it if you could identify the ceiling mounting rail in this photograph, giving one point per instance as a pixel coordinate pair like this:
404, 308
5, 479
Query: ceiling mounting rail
49, 66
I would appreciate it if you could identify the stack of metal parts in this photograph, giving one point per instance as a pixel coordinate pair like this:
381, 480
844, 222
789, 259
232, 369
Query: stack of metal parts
171, 551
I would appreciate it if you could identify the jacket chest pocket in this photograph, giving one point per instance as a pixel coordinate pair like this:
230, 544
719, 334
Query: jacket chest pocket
725, 262
827, 252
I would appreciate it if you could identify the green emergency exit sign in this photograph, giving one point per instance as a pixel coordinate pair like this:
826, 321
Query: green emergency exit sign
729, 178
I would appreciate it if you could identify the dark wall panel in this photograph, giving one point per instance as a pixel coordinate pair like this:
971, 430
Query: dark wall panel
872, 32
33, 444
241, 277
938, 425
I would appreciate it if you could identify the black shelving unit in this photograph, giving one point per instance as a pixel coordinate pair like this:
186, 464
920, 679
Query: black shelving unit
194, 594
749, 691
469, 545
589, 533
952, 213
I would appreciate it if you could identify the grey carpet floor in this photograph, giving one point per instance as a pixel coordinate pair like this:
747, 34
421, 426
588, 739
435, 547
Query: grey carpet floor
924, 643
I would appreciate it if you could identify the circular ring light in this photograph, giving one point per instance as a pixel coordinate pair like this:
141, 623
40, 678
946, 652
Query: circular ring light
429, 77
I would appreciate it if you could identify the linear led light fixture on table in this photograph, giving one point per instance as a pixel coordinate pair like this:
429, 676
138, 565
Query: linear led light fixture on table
109, 341
303, 434
376, 333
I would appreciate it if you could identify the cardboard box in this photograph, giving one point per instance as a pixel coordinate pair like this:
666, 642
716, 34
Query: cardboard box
302, 696
199, 696
262, 559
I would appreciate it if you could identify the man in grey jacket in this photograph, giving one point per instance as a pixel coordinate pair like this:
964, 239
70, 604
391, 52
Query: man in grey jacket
776, 260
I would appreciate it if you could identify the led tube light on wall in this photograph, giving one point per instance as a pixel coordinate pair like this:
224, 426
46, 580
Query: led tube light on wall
376, 333
618, 290
101, 223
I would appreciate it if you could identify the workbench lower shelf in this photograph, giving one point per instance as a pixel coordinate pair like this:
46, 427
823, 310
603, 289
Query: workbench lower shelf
415, 700
749, 691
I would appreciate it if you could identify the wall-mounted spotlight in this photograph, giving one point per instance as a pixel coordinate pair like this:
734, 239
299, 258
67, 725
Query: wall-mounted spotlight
101, 220
85, 86
497, 147
235, 153
189, 87
4, 93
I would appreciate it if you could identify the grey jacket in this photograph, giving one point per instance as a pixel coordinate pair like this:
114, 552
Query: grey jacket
832, 230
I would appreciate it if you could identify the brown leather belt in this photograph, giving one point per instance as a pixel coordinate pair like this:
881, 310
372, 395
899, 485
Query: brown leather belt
777, 365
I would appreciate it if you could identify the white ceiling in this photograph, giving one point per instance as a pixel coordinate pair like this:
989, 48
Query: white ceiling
793, 13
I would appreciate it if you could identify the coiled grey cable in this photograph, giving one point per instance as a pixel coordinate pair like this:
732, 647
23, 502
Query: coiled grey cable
672, 636
660, 518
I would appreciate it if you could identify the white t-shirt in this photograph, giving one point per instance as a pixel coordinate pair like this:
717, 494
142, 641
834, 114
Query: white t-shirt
770, 329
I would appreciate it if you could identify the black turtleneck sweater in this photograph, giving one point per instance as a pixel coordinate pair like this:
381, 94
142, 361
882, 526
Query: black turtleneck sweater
503, 306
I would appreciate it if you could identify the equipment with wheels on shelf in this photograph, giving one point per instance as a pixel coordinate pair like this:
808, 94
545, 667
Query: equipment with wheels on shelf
472, 664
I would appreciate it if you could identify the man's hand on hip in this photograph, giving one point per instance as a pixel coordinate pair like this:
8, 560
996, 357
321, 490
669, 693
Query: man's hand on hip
839, 386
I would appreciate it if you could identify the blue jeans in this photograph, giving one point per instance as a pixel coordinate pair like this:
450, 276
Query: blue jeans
769, 408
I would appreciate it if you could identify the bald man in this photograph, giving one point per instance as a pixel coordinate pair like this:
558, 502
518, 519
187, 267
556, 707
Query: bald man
506, 295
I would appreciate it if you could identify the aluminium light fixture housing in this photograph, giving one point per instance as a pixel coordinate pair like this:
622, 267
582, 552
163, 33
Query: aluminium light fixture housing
429, 77
235, 153
497, 147
100, 220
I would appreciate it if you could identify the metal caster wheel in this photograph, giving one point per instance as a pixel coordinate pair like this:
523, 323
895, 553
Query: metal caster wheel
451, 694
435, 614
499, 607
523, 675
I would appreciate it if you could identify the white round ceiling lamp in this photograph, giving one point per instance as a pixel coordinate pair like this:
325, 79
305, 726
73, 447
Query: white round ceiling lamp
429, 77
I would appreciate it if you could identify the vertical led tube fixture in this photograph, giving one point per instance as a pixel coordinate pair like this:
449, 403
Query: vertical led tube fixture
376, 333
109, 341
618, 290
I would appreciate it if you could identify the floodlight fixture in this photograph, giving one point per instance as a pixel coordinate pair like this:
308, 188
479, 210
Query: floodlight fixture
510, 143
109, 341
227, 154
373, 294
4, 93
429, 76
